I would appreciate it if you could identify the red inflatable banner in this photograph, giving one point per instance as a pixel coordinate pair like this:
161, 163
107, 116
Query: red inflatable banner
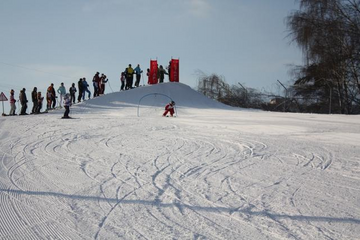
153, 72
174, 70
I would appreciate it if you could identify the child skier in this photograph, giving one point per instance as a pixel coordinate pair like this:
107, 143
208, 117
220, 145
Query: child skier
169, 109
67, 104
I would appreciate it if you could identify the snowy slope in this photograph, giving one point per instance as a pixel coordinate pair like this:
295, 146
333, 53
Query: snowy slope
214, 172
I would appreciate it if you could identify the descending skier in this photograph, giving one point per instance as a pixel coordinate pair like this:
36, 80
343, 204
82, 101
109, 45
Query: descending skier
67, 104
169, 108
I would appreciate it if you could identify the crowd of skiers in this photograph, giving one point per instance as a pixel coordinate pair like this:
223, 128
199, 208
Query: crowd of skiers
69, 98
66, 99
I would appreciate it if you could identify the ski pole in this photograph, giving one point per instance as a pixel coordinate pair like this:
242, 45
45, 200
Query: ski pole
110, 86
142, 76
18, 109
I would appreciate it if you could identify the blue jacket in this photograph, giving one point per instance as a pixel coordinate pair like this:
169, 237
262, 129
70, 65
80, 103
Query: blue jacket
85, 85
61, 90
138, 71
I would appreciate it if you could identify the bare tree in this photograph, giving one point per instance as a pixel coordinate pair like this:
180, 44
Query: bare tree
328, 32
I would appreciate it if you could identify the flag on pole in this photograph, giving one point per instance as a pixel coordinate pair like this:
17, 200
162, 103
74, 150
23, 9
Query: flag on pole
153, 72
174, 70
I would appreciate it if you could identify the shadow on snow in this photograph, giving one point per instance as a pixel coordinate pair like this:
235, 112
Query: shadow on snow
195, 208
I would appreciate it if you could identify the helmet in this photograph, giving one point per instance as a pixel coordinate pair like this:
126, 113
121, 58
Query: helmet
172, 103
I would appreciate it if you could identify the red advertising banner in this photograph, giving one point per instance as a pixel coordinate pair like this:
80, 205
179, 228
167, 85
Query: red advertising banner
153, 79
174, 70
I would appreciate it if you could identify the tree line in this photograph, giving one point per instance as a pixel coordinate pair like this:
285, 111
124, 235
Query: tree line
328, 33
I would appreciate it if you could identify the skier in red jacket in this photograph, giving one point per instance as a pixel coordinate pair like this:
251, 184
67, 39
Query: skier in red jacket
169, 108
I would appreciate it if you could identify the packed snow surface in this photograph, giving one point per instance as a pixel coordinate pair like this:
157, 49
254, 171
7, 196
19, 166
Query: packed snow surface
119, 170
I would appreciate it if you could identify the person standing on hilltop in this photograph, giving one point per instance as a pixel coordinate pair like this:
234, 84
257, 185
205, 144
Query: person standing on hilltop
138, 73
72, 91
85, 89
103, 80
129, 71
51, 96
40, 101
122, 80
80, 87
23, 101
96, 84
12, 103
34, 100
161, 74
62, 91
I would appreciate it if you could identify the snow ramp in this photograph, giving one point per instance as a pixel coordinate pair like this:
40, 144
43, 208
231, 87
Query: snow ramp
156, 95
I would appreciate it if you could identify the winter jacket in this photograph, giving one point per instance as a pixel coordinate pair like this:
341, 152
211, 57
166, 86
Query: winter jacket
138, 70
129, 72
52, 92
72, 90
23, 98
169, 106
34, 96
39, 98
80, 85
96, 80
12, 98
161, 73
85, 85
67, 101
61, 90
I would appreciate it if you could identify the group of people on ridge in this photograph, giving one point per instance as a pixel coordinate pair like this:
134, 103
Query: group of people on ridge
127, 77
69, 98
66, 98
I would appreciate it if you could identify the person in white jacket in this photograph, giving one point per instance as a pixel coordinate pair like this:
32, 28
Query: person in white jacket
62, 91
67, 104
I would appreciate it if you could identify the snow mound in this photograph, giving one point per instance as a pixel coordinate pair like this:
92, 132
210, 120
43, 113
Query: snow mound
156, 95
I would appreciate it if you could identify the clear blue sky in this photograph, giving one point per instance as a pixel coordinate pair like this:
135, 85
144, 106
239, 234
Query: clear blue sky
44, 41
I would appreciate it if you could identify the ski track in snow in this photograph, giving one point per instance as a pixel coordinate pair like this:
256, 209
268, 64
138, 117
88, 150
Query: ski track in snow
160, 178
